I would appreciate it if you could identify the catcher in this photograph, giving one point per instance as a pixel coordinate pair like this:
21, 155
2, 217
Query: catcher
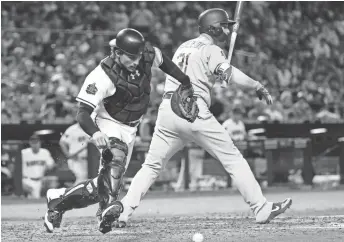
112, 101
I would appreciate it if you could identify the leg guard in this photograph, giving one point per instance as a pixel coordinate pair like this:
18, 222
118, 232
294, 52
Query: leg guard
110, 176
79, 196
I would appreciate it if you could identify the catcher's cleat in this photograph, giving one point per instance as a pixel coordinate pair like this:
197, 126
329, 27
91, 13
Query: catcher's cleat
109, 215
52, 219
271, 210
119, 224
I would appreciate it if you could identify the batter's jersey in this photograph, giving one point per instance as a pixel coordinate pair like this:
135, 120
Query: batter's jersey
236, 130
98, 86
198, 58
76, 139
35, 164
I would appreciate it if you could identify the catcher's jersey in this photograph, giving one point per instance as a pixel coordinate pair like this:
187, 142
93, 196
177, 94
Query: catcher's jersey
35, 164
98, 86
76, 139
197, 58
235, 130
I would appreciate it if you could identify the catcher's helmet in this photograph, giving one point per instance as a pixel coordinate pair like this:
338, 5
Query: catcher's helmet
130, 41
210, 17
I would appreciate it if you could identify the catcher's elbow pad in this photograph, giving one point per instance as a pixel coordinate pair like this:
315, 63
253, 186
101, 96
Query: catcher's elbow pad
224, 71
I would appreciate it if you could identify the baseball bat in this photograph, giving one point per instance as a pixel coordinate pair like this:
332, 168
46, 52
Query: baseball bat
238, 10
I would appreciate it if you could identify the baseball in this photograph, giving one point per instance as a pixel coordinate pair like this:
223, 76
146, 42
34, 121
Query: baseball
198, 237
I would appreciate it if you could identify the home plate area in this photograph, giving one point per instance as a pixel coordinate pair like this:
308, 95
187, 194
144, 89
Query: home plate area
181, 228
314, 216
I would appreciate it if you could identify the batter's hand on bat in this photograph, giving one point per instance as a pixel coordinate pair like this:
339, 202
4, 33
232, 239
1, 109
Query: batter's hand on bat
100, 140
263, 93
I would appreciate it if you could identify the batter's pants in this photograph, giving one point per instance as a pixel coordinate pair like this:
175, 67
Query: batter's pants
172, 133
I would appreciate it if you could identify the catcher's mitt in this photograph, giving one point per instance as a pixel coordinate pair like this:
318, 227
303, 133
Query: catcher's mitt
184, 104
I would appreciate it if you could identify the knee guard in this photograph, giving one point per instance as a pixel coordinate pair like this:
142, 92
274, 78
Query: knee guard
79, 196
111, 174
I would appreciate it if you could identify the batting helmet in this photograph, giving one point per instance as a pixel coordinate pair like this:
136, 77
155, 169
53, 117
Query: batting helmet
130, 41
211, 17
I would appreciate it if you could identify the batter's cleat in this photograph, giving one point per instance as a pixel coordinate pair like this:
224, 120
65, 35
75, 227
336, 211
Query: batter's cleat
110, 215
125, 215
271, 210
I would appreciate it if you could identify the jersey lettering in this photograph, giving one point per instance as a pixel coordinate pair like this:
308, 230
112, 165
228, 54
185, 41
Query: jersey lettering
193, 44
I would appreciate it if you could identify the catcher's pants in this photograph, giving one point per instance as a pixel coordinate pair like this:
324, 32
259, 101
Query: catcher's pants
80, 168
32, 187
172, 133
121, 131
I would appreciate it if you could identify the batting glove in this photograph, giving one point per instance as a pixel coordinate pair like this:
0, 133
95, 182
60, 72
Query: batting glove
263, 93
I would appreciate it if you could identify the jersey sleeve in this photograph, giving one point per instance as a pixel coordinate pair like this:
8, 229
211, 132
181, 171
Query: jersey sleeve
158, 57
23, 158
215, 57
96, 87
49, 159
66, 137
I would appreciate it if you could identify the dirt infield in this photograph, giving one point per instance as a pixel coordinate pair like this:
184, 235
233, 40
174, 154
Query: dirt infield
314, 216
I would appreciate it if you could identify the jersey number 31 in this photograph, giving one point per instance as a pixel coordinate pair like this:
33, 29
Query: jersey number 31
183, 61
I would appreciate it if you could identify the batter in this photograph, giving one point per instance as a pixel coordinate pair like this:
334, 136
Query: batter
202, 60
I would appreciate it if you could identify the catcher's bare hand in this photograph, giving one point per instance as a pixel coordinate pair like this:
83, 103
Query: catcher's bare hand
263, 93
184, 104
100, 140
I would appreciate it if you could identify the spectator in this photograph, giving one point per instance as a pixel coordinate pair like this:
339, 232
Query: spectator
59, 104
328, 114
235, 126
142, 18
284, 75
120, 19
321, 49
275, 112
59, 43
258, 113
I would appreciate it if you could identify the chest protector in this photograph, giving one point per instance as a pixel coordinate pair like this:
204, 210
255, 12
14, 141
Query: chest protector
132, 95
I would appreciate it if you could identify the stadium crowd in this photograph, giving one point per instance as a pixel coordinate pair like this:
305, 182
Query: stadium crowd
295, 48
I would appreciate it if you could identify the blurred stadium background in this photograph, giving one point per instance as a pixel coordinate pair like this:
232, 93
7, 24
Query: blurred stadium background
295, 48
